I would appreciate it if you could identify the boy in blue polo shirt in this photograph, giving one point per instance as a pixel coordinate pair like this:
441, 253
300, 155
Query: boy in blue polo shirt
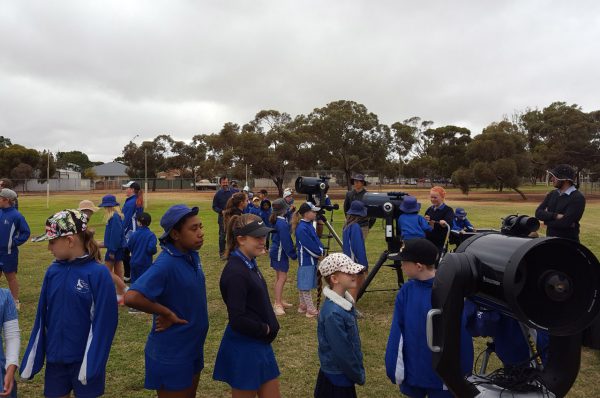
174, 291
14, 231
412, 224
142, 245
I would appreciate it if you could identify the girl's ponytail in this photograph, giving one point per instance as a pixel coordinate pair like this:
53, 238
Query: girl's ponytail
139, 201
90, 245
295, 220
319, 288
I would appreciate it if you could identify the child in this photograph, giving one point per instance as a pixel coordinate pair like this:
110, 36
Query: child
340, 354
288, 196
354, 243
174, 291
407, 357
246, 360
412, 225
142, 245
134, 205
265, 214
87, 207
76, 316
114, 242
235, 206
14, 231
255, 207
9, 326
281, 251
310, 250
461, 222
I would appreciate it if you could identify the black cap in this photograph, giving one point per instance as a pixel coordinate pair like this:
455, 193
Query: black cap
255, 228
144, 218
419, 251
307, 206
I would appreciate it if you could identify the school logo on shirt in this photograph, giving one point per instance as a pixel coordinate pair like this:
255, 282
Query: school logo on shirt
6, 222
82, 286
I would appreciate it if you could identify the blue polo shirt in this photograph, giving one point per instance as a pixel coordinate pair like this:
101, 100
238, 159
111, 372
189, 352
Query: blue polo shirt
176, 280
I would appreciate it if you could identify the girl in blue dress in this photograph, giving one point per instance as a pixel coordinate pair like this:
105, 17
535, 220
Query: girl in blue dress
282, 249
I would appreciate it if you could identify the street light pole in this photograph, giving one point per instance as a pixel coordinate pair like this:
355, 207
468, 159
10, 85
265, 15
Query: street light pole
146, 175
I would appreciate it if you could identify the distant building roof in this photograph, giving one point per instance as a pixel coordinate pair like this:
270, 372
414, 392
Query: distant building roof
111, 169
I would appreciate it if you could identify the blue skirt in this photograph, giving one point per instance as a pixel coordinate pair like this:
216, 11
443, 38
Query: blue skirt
283, 265
243, 362
307, 277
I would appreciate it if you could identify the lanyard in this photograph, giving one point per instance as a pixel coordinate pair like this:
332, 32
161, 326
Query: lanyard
251, 264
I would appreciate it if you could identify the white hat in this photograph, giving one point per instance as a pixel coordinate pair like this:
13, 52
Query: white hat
287, 192
339, 262
246, 188
8, 194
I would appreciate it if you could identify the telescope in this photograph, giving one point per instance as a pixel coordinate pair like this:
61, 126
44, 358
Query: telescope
549, 284
387, 207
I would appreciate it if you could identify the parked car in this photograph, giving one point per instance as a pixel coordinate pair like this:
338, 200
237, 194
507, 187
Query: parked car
206, 185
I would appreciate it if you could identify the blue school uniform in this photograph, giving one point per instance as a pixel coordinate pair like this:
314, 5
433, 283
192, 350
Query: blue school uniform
175, 280
142, 245
462, 224
14, 231
413, 226
354, 244
282, 247
8, 313
74, 327
114, 240
309, 249
407, 356
130, 211
265, 214
246, 359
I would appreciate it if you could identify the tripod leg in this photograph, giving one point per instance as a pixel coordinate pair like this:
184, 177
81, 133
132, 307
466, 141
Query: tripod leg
374, 270
399, 273
332, 232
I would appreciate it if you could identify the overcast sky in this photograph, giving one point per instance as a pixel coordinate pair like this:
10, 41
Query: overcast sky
91, 75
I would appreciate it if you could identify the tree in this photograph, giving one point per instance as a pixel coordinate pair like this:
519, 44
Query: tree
22, 171
77, 160
12, 156
562, 133
4, 142
274, 144
446, 148
498, 157
151, 152
348, 137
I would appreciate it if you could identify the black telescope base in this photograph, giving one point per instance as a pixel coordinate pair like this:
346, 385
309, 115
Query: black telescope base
381, 262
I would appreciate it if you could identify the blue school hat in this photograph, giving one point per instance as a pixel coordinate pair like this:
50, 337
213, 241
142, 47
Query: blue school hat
357, 208
109, 201
460, 212
172, 217
410, 204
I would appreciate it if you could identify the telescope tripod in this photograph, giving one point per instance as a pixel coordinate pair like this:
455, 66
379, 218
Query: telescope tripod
381, 262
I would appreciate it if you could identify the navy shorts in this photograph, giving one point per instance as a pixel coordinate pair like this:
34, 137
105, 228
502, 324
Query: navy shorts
8, 262
61, 379
118, 256
162, 376
283, 265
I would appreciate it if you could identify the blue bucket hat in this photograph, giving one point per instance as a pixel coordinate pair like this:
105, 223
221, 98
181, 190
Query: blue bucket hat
172, 217
109, 201
460, 212
357, 208
410, 204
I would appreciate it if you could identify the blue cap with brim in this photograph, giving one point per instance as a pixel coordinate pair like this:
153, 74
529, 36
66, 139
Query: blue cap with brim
109, 201
172, 217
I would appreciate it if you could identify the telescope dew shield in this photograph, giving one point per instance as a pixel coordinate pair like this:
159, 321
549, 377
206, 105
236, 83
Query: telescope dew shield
383, 205
311, 185
551, 284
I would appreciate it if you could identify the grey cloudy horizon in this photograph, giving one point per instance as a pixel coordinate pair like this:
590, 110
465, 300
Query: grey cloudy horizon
89, 76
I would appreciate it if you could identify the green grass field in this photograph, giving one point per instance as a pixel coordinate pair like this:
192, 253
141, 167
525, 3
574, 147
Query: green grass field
296, 345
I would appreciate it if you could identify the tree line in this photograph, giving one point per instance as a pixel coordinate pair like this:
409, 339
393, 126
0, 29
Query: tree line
346, 137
